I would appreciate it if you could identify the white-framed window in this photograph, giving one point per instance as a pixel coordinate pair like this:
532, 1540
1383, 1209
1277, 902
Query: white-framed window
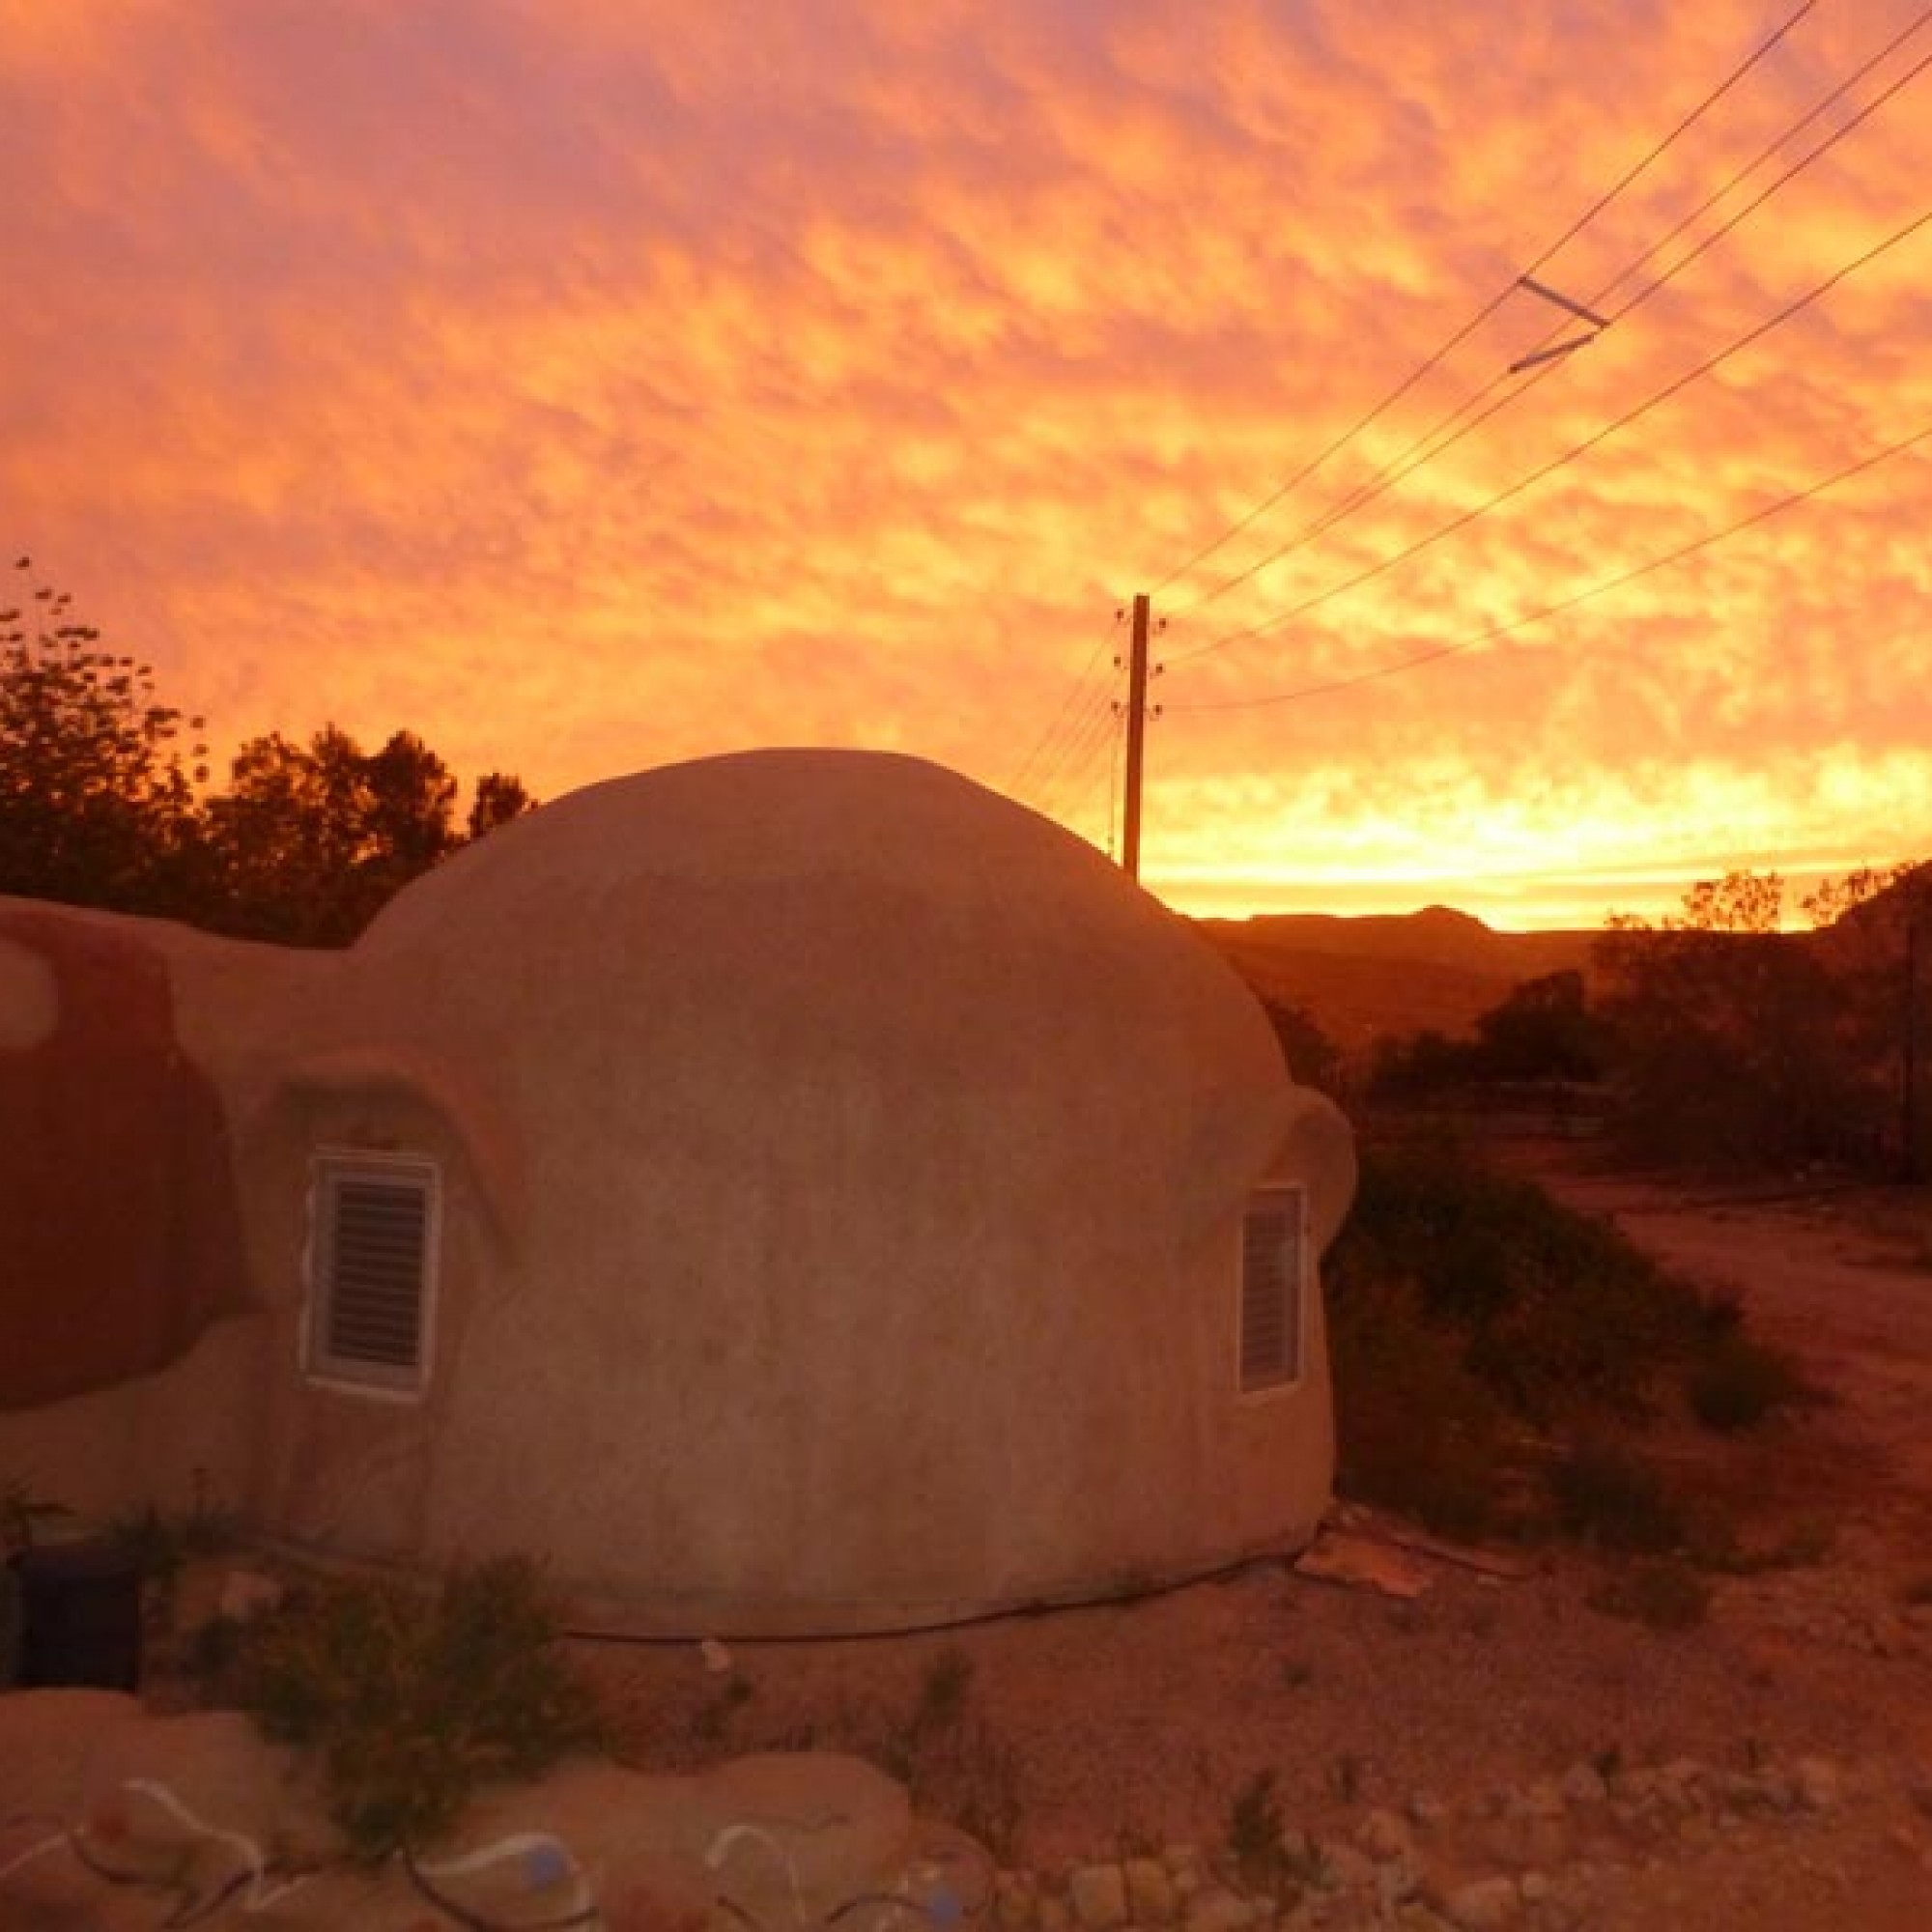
373, 1228
1274, 1267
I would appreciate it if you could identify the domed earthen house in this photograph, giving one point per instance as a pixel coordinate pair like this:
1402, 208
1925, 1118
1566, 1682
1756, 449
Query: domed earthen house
791, 1191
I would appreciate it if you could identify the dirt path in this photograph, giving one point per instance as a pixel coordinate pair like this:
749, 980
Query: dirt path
1842, 1278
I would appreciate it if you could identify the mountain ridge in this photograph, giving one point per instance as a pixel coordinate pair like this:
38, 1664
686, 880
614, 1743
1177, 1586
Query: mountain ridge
1367, 976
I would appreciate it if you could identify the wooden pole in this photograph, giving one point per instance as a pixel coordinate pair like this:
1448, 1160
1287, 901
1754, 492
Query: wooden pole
1137, 689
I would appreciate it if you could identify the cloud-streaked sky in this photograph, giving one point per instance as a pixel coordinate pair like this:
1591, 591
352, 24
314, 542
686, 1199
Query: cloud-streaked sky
592, 383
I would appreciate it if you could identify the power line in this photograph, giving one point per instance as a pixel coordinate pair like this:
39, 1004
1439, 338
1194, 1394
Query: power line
1764, 155
1075, 766
1583, 596
1488, 309
1067, 708
1448, 431
1276, 621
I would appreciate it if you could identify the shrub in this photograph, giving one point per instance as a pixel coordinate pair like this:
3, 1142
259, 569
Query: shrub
1415, 1430
1612, 1499
954, 1764
1556, 1311
1736, 1382
1668, 1596
1255, 1827
414, 1697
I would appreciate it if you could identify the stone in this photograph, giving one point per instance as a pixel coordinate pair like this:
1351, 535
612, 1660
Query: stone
1213, 1909
1012, 1903
1348, 1869
1483, 1905
1383, 1835
1817, 1784
1152, 1899
1543, 1800
1584, 1785
1397, 1880
1098, 1896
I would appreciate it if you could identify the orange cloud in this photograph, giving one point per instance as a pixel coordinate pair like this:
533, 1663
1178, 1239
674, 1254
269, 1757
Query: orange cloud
586, 385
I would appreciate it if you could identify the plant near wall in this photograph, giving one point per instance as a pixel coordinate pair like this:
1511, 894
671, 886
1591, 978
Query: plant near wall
20, 1513
413, 1699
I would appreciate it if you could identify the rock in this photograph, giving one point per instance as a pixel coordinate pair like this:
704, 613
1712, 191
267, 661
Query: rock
1397, 1880
1348, 1869
1382, 1835
1150, 1895
1299, 1850
1098, 1896
1012, 1902
1213, 1909
1427, 1812
775, 1804
1584, 1785
1817, 1784
1483, 1905
1543, 1800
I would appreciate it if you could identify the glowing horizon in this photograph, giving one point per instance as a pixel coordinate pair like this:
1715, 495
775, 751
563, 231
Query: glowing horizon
588, 386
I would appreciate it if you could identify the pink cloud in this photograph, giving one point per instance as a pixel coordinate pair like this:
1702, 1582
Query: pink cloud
584, 385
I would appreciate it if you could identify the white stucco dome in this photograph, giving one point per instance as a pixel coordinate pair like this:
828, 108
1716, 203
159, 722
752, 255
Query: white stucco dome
874, 1155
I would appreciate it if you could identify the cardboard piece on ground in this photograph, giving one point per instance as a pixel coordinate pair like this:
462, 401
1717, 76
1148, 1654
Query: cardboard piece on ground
1336, 1556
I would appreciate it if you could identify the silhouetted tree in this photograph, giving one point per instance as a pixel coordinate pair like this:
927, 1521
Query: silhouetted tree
1311, 1056
499, 798
311, 841
1725, 1032
96, 806
1542, 1031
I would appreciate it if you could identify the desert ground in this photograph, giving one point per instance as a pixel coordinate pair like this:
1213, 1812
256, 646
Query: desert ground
1458, 1710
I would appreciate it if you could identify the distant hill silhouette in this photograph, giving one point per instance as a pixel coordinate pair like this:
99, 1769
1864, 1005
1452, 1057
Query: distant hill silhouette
1386, 974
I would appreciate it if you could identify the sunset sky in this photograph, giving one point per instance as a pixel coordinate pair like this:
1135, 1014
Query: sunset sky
587, 384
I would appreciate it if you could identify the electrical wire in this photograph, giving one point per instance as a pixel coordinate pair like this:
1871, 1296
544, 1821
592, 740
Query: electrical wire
1068, 705
1583, 596
1276, 621
1469, 415
1431, 362
1071, 779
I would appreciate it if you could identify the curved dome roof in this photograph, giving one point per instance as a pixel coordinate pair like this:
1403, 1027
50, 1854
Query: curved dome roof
797, 911
885, 1149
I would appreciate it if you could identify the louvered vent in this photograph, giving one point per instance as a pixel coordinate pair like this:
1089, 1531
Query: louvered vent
369, 1298
1270, 1318
374, 1300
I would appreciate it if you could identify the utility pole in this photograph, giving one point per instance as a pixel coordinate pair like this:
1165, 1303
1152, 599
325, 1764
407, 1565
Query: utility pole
1912, 1163
1137, 689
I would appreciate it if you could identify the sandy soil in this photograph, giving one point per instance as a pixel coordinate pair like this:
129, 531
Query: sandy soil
1136, 1725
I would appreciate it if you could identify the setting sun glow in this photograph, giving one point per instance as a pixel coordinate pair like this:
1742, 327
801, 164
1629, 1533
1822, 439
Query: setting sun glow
591, 387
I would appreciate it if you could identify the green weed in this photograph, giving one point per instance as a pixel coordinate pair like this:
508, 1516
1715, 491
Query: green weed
413, 1697
1255, 1827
